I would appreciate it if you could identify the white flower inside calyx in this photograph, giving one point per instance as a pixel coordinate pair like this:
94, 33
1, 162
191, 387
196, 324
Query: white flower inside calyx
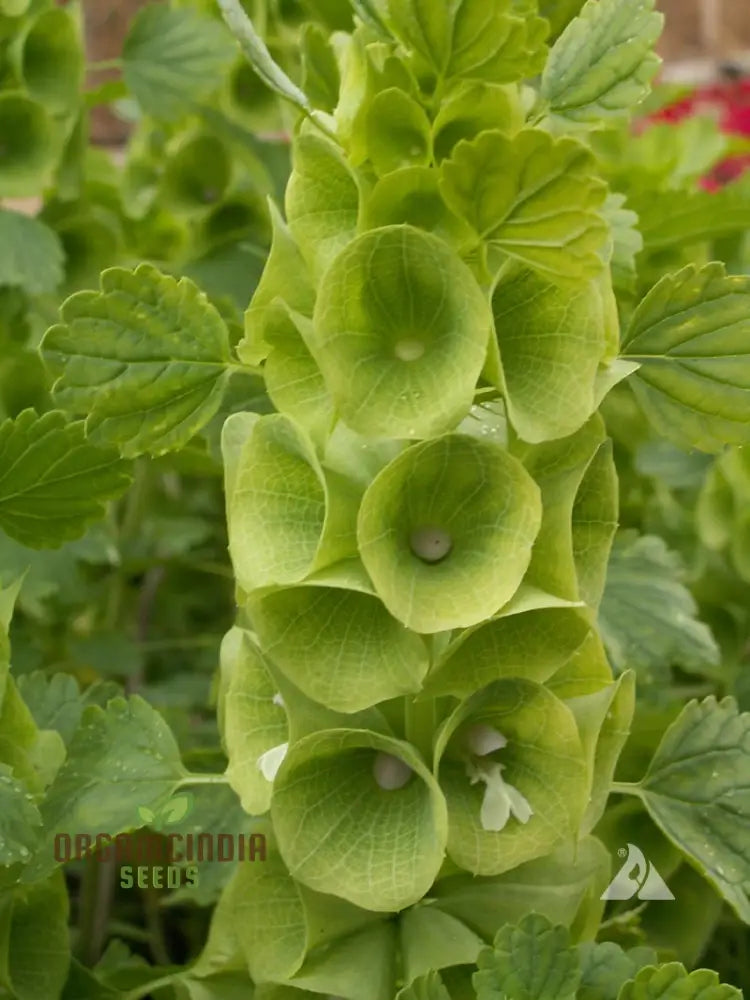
409, 349
391, 773
501, 799
430, 543
270, 761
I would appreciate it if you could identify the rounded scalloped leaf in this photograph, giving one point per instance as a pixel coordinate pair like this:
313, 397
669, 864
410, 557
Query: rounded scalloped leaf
400, 332
339, 647
287, 517
543, 759
340, 832
446, 530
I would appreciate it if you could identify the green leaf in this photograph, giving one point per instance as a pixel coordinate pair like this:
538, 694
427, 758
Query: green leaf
602, 64
341, 832
259, 57
31, 255
689, 338
19, 820
672, 982
533, 197
146, 358
697, 790
627, 242
479, 40
322, 200
288, 516
543, 759
549, 355
252, 721
34, 940
400, 332
533, 961
337, 970
648, 617
480, 506
121, 758
671, 220
173, 58
605, 967
53, 483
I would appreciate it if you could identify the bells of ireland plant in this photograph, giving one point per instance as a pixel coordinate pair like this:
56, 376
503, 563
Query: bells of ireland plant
415, 693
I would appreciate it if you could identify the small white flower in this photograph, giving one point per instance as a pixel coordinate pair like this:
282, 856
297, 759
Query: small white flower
501, 799
278, 700
270, 761
483, 739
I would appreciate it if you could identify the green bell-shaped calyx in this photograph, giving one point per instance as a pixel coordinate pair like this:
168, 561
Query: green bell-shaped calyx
339, 646
400, 333
287, 516
27, 145
445, 532
359, 816
526, 797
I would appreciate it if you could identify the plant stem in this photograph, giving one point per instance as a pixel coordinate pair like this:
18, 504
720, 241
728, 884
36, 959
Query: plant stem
203, 779
143, 991
626, 788
419, 720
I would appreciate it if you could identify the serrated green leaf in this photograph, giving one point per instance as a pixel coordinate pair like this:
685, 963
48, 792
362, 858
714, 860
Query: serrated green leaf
19, 820
533, 197
146, 358
672, 982
259, 57
689, 338
697, 790
121, 758
173, 58
53, 482
478, 40
602, 64
670, 220
533, 961
605, 967
648, 617
31, 254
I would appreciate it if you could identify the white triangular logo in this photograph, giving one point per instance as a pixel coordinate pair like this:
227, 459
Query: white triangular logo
637, 877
